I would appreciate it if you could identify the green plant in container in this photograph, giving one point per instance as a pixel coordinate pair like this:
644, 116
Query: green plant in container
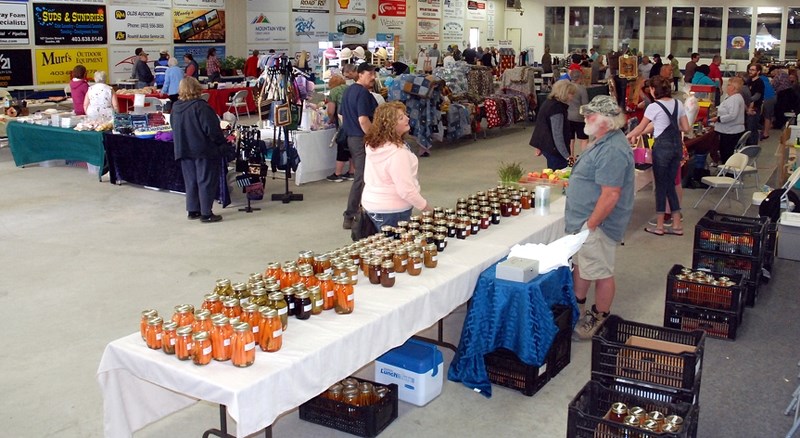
510, 173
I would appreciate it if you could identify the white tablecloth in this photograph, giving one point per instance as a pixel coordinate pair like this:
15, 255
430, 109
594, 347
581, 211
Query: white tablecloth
317, 159
141, 386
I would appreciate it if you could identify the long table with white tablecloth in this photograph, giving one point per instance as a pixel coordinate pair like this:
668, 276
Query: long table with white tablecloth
141, 386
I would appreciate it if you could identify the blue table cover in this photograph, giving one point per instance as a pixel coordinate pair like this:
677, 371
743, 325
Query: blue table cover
511, 315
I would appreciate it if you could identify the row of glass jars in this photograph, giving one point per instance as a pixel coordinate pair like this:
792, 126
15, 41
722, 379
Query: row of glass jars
356, 393
636, 416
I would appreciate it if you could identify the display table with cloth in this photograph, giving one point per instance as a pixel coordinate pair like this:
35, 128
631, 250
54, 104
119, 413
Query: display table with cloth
151, 163
317, 158
32, 143
141, 386
511, 315
125, 101
220, 99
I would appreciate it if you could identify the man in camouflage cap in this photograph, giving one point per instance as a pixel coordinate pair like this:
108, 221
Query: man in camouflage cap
600, 199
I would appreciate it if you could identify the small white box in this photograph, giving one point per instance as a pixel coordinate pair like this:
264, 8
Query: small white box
417, 369
517, 269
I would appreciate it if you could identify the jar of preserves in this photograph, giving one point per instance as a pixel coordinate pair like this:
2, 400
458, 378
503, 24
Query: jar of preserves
638, 412
505, 207
461, 231
316, 300
631, 421
202, 321
169, 337
345, 298
451, 229
375, 270
326, 290
352, 274
618, 412
302, 305
650, 425
258, 297
334, 392
305, 257
516, 208
183, 315
496, 214
339, 267
289, 277
231, 308
525, 199
365, 257
243, 346
400, 260
387, 273
146, 315
272, 330
201, 351
414, 263
273, 271
240, 291
657, 417
212, 303
288, 297
322, 263
183, 343
221, 334
430, 256
223, 287
674, 422
153, 332
475, 226
366, 394
440, 240
251, 316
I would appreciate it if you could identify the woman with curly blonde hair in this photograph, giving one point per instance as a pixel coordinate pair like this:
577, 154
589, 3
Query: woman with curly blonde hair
391, 187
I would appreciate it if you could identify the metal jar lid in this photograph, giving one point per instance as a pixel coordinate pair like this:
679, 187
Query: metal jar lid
185, 330
156, 320
275, 296
239, 287
170, 325
200, 336
241, 327
202, 314
223, 282
149, 313
250, 307
232, 302
631, 420
219, 320
674, 419
619, 408
268, 312
650, 425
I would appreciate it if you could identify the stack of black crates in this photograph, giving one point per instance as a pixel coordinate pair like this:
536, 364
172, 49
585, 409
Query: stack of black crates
652, 367
506, 369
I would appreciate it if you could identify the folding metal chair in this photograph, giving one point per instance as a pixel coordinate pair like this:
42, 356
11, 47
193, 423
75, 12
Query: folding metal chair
239, 100
735, 165
752, 153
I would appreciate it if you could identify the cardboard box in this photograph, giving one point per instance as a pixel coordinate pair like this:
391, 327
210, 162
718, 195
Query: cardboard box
654, 361
417, 369
517, 269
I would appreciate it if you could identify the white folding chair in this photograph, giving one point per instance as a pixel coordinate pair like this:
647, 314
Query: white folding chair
239, 100
735, 165
759, 196
752, 153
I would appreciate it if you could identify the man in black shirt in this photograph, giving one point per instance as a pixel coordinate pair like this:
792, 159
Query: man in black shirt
470, 55
756, 86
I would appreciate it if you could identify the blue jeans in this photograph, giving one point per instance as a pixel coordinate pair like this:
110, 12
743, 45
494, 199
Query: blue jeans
666, 162
555, 161
381, 219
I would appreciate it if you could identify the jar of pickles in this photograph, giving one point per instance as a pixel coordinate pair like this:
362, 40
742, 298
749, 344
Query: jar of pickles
221, 334
183, 315
243, 346
258, 297
251, 316
212, 303
201, 351
146, 315
273, 271
202, 321
240, 291
231, 308
278, 303
272, 330
316, 300
169, 337
289, 276
183, 343
153, 332
430, 256
345, 299
223, 287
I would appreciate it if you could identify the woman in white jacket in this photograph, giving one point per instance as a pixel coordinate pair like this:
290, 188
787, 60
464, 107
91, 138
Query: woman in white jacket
391, 188
730, 118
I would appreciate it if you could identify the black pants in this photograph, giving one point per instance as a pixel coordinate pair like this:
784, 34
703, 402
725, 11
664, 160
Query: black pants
201, 177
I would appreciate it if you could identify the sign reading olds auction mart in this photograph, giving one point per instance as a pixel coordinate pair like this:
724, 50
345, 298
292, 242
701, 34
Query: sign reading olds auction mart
69, 24
15, 67
54, 66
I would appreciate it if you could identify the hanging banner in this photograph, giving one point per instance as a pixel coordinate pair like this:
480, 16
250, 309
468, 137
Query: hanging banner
355, 7
353, 27
14, 23
454, 9
453, 31
131, 25
147, 3
428, 29
476, 10
311, 5
310, 26
738, 42
264, 27
198, 26
393, 25
54, 66
69, 24
199, 4
392, 8
15, 67
429, 9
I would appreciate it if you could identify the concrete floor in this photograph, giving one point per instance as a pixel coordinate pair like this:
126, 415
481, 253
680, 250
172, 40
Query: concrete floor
81, 259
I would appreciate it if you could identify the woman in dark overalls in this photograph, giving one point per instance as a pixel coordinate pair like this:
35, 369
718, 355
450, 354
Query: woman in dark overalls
666, 119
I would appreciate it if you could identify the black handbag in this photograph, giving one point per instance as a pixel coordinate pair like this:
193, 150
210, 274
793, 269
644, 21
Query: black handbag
362, 226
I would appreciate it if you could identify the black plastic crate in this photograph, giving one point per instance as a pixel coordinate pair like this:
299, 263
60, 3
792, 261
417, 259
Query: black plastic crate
721, 325
365, 421
613, 355
653, 392
560, 353
562, 316
729, 234
591, 404
749, 268
684, 289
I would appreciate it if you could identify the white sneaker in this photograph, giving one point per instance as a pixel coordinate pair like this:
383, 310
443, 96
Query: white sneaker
589, 324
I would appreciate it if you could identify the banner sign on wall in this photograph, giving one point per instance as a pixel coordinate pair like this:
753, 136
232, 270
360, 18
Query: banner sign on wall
14, 23
454, 9
428, 29
353, 27
199, 3
395, 25
147, 3
311, 5
429, 9
69, 24
476, 10
198, 26
199, 53
130, 25
310, 26
392, 8
54, 66
15, 67
265, 27
453, 31
739, 42
358, 7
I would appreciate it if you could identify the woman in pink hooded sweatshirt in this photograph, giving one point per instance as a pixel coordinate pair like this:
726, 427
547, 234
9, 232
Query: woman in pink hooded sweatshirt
391, 188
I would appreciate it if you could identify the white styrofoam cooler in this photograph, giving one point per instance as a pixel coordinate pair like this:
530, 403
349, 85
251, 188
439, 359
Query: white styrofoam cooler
417, 369
789, 236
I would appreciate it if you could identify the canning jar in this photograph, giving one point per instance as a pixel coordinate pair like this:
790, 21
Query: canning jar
183, 343
243, 346
461, 231
618, 412
345, 299
221, 333
278, 303
146, 315
366, 394
201, 351
375, 270
400, 260
273, 271
335, 392
240, 291
202, 321
326, 290
387, 273
212, 303
440, 240
272, 336
316, 300
305, 258
430, 256
258, 297
152, 332
168, 337
414, 263
516, 208
251, 316
289, 276
322, 263
288, 296
223, 287
183, 315
302, 305
352, 274
231, 308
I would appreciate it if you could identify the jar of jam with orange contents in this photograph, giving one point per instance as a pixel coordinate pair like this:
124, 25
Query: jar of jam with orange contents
345, 298
153, 331
146, 315
201, 351
387, 273
243, 346
231, 308
273, 271
212, 303
618, 412
352, 274
525, 199
223, 287
168, 337
414, 263
221, 333
202, 321
271, 329
430, 256
374, 272
183, 343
